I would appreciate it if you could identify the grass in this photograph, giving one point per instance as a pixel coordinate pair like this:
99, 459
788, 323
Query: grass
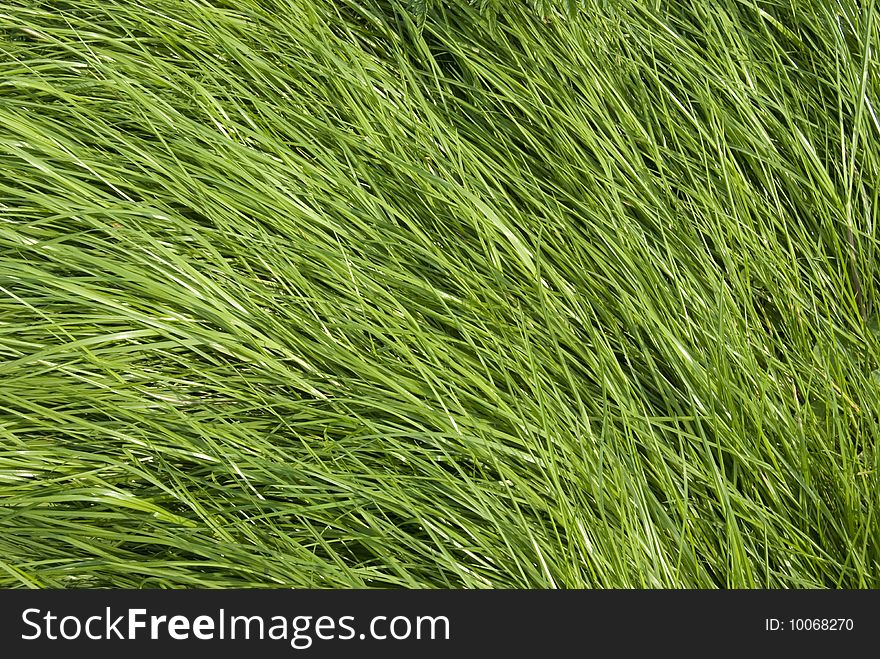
325, 293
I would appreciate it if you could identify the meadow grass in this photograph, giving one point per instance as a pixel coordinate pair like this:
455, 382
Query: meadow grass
329, 293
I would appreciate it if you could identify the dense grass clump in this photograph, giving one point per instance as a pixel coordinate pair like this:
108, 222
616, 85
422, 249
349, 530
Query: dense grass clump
322, 293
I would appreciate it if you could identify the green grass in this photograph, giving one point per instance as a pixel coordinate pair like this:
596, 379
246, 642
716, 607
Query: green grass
325, 293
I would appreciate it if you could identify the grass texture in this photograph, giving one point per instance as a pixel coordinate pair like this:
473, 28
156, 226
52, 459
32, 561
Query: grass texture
325, 293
